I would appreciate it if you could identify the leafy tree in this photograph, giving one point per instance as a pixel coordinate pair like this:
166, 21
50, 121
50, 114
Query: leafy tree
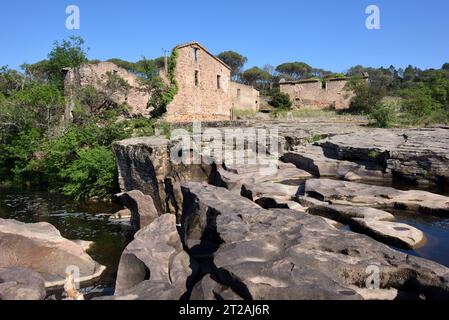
234, 60
296, 70
445, 66
281, 100
357, 70
255, 75
66, 54
10, 81
39, 106
366, 95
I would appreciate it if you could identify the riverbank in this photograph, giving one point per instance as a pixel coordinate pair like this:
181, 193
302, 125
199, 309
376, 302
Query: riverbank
75, 220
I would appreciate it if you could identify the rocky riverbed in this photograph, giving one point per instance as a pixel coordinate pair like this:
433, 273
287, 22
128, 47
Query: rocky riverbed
340, 213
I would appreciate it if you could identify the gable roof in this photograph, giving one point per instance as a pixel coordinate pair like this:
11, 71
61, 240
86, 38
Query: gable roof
197, 44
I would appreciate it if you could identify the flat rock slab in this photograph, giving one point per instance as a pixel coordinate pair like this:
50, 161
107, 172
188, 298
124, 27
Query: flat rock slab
375, 223
313, 159
421, 155
286, 254
154, 266
350, 193
41, 248
21, 284
233, 177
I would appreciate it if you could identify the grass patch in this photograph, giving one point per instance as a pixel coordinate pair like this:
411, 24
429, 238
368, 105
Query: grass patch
308, 113
245, 114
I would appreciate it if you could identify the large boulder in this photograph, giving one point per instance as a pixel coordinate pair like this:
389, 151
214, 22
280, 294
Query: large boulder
154, 266
41, 247
285, 254
143, 211
145, 164
21, 284
343, 192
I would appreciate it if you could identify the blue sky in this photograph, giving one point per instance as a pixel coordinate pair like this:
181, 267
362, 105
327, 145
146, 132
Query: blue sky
328, 34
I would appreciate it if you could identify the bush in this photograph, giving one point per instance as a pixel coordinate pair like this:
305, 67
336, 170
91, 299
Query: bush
366, 96
383, 115
16, 159
93, 174
281, 100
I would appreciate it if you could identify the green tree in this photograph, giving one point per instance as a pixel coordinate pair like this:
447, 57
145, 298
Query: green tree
445, 66
66, 54
295, 70
254, 76
366, 95
39, 106
10, 81
234, 60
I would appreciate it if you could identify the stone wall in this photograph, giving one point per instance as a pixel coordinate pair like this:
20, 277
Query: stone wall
204, 100
244, 97
96, 76
314, 94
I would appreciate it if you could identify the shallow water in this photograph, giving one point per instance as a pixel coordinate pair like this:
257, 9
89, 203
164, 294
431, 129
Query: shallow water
89, 221
436, 229
75, 220
437, 234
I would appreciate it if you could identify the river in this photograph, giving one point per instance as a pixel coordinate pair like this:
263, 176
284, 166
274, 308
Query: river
75, 220
89, 221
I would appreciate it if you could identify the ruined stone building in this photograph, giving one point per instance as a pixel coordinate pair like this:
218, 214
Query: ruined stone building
96, 75
314, 93
206, 92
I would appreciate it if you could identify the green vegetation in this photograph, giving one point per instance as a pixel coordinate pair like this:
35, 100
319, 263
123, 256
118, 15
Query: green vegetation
373, 154
37, 148
383, 115
281, 100
422, 96
315, 138
163, 94
67, 54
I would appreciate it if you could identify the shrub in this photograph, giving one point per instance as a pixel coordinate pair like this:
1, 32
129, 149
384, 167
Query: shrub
366, 96
383, 115
281, 100
93, 174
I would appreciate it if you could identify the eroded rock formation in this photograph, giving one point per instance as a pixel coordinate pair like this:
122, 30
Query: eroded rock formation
358, 194
154, 266
41, 248
21, 284
143, 211
286, 254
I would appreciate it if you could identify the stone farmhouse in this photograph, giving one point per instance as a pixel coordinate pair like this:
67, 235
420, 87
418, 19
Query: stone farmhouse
206, 92
314, 93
